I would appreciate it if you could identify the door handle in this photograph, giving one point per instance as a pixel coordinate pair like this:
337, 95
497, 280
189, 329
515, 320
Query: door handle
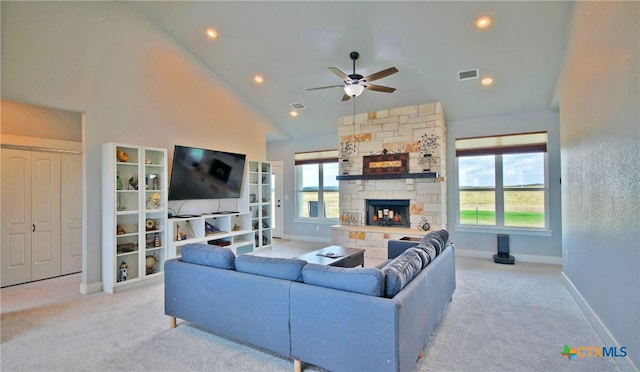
33, 228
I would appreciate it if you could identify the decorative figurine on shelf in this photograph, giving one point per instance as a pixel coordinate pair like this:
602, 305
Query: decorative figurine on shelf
154, 201
122, 272
150, 224
236, 227
122, 156
119, 184
156, 241
344, 154
428, 145
120, 230
424, 225
133, 183
150, 263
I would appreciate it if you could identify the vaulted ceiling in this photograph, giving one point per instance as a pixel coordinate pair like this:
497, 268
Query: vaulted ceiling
292, 44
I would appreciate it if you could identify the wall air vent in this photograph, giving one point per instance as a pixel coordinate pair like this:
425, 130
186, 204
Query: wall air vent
468, 75
297, 106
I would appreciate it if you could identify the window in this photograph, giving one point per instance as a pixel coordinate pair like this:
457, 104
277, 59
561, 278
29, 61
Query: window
502, 181
317, 193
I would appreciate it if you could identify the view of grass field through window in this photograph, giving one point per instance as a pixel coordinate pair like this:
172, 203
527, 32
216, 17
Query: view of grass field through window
523, 193
522, 208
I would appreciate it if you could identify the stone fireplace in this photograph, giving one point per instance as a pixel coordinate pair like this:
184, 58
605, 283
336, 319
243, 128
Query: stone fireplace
396, 130
387, 212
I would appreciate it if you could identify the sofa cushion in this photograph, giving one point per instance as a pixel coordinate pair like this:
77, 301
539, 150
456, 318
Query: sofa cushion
279, 268
364, 280
424, 257
437, 239
400, 271
208, 255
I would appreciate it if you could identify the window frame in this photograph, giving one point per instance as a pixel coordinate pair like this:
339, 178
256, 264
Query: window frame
320, 158
499, 190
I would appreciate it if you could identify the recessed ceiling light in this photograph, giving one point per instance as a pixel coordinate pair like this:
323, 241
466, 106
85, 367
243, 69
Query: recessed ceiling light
487, 81
258, 79
293, 113
483, 22
212, 33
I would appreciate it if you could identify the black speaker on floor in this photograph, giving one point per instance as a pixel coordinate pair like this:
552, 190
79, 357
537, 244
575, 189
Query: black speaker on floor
503, 256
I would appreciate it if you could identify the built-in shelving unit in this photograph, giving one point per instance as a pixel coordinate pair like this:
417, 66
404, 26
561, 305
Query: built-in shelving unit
230, 230
134, 214
260, 203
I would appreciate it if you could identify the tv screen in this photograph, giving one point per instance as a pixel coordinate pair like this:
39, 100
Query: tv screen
205, 174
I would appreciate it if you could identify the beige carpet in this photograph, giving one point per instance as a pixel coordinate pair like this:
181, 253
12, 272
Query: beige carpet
503, 318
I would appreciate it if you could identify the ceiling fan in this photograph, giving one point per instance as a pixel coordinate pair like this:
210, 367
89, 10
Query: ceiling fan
355, 84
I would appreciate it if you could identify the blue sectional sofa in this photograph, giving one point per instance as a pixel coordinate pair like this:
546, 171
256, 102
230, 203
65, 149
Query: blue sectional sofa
341, 319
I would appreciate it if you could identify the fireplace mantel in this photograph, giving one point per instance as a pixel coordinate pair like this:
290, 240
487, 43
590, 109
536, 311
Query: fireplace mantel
386, 176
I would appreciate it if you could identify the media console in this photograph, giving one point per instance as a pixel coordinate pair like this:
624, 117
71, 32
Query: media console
228, 229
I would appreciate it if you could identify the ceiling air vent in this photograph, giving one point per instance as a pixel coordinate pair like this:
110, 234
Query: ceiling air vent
468, 75
297, 106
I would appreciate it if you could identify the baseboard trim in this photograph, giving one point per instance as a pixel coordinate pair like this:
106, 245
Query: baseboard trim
307, 238
531, 258
89, 288
625, 363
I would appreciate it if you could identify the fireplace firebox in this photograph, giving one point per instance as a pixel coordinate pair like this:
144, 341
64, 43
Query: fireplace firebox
388, 212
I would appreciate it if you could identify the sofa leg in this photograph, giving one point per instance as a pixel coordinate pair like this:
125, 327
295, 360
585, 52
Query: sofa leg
173, 322
297, 365
421, 355
450, 298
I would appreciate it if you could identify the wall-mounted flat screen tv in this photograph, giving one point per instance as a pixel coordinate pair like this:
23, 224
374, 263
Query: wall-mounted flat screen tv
205, 174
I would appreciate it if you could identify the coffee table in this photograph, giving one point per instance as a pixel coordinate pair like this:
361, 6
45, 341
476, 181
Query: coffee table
342, 257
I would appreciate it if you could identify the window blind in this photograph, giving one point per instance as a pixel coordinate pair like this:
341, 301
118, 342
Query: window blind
507, 144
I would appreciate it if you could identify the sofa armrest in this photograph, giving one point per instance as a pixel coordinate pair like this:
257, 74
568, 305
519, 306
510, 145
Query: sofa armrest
396, 247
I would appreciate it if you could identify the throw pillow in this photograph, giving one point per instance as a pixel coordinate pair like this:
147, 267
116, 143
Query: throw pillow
364, 280
279, 268
400, 271
208, 255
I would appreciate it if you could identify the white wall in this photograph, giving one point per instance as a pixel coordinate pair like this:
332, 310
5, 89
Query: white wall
527, 245
284, 150
132, 81
22, 119
600, 127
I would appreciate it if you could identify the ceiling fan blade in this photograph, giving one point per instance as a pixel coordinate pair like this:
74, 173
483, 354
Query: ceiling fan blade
381, 74
329, 86
345, 97
380, 88
338, 72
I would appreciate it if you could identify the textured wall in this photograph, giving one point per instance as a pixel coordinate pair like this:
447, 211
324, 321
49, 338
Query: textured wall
600, 139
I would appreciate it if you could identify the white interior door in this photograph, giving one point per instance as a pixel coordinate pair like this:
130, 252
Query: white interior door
276, 197
45, 207
71, 214
16, 216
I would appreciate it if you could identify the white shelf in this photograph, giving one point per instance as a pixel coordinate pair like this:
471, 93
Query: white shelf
126, 194
240, 241
259, 176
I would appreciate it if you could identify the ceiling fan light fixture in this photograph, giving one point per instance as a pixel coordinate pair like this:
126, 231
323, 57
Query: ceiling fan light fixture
353, 90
